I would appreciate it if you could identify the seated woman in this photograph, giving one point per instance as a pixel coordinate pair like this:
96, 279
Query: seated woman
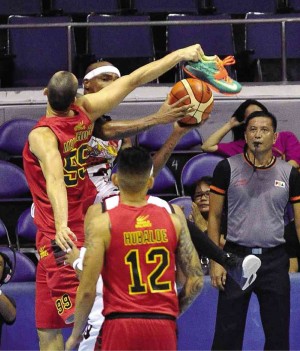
287, 146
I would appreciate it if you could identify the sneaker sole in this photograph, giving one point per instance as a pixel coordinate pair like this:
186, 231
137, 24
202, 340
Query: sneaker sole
250, 265
213, 87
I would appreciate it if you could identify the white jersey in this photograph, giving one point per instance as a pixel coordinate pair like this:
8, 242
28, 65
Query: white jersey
102, 155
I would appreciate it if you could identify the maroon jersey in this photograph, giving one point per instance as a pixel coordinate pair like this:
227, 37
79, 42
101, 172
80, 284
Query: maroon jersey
73, 134
139, 269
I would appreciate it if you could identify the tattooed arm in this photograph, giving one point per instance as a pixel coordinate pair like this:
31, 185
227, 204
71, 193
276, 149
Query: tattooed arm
121, 129
188, 261
161, 157
97, 238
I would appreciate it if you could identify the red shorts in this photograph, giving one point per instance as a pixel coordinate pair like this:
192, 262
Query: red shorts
56, 287
137, 334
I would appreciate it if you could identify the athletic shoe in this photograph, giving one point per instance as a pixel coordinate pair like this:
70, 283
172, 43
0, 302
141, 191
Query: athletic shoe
211, 70
243, 270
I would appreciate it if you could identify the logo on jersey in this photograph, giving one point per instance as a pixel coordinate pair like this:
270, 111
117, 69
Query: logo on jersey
279, 184
79, 126
142, 222
43, 252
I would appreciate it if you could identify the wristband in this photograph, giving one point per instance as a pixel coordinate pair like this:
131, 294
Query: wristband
0, 292
77, 264
82, 252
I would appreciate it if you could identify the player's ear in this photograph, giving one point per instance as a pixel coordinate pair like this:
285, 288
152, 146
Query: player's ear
150, 182
45, 92
114, 179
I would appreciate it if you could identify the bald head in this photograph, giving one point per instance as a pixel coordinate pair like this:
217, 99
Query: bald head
61, 90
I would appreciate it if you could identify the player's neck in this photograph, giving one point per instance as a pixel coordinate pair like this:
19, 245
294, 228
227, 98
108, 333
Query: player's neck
136, 199
50, 112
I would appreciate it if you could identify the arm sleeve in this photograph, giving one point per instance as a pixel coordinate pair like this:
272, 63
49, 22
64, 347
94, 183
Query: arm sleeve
221, 178
294, 186
291, 240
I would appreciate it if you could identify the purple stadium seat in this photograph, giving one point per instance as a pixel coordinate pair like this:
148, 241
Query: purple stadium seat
14, 134
154, 138
26, 232
13, 182
39, 52
184, 202
166, 6
24, 269
198, 166
86, 6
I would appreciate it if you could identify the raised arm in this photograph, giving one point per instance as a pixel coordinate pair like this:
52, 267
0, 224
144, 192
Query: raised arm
161, 157
211, 143
99, 103
187, 260
125, 128
43, 144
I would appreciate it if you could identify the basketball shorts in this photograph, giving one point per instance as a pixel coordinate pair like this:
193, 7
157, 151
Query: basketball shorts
56, 287
137, 334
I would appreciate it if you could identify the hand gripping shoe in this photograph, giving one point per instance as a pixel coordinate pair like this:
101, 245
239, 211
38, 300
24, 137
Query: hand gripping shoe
211, 70
242, 270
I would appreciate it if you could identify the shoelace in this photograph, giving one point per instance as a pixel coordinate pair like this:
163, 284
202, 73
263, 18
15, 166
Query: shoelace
223, 74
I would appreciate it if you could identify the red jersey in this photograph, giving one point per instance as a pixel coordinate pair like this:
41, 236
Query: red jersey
73, 134
139, 269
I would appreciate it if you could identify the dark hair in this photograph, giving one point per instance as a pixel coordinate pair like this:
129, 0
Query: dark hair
262, 114
239, 113
134, 160
204, 179
7, 269
62, 90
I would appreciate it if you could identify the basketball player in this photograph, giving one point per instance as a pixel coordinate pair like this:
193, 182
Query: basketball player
7, 304
106, 140
55, 166
141, 244
102, 154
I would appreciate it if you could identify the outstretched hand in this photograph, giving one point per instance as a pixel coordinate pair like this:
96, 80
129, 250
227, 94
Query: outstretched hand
192, 53
171, 112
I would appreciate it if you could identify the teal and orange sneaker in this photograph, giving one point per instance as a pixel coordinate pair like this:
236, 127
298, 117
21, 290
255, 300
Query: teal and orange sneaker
211, 70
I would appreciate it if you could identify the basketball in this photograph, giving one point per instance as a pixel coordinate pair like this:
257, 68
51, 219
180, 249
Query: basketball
200, 96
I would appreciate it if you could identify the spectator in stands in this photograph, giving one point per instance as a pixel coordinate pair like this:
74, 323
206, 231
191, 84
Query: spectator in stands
257, 187
199, 214
7, 304
286, 147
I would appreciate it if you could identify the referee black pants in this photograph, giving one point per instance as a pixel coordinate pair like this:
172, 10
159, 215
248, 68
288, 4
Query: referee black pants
272, 287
